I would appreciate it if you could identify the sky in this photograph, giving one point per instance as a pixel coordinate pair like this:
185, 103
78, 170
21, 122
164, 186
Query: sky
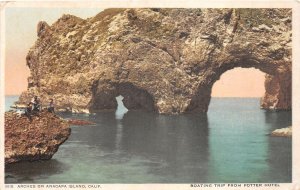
20, 26
240, 82
20, 31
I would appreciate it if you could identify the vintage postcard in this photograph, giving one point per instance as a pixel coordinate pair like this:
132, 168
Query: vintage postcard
150, 95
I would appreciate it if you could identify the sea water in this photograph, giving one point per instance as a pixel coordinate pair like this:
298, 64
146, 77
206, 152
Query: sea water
229, 144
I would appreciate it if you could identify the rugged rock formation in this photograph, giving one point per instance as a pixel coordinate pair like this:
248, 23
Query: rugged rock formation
283, 132
164, 60
37, 139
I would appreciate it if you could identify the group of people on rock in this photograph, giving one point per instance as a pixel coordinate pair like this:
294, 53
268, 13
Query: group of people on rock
34, 106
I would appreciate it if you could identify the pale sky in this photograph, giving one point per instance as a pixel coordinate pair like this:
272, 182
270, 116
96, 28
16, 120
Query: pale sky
240, 82
20, 28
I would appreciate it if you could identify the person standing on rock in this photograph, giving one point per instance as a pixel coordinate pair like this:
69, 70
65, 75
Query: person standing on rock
35, 104
51, 106
28, 110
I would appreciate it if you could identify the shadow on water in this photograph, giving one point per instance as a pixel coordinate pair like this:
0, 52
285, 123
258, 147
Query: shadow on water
29, 172
178, 143
278, 119
280, 148
139, 147
102, 134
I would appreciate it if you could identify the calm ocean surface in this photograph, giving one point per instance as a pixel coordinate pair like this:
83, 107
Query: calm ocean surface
228, 144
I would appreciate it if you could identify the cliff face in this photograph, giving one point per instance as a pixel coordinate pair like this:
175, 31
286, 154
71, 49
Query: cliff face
37, 139
163, 60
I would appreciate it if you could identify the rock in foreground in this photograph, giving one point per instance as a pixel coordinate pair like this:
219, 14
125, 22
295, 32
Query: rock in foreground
37, 139
284, 132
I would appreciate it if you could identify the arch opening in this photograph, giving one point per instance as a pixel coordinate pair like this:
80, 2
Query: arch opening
121, 109
135, 98
277, 83
240, 82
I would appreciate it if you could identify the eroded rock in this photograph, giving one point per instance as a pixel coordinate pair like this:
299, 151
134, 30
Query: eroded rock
163, 60
35, 139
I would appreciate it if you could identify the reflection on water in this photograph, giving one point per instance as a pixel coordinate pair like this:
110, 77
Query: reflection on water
240, 147
229, 145
280, 167
177, 144
27, 172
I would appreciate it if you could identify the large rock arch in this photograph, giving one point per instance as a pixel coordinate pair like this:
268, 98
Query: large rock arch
163, 60
277, 86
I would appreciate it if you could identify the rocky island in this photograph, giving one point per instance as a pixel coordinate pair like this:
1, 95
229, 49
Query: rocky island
162, 60
35, 139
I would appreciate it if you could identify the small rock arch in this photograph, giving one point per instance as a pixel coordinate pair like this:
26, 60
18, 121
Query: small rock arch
134, 98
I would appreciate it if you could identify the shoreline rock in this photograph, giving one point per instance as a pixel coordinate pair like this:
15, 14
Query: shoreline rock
283, 132
79, 122
35, 139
